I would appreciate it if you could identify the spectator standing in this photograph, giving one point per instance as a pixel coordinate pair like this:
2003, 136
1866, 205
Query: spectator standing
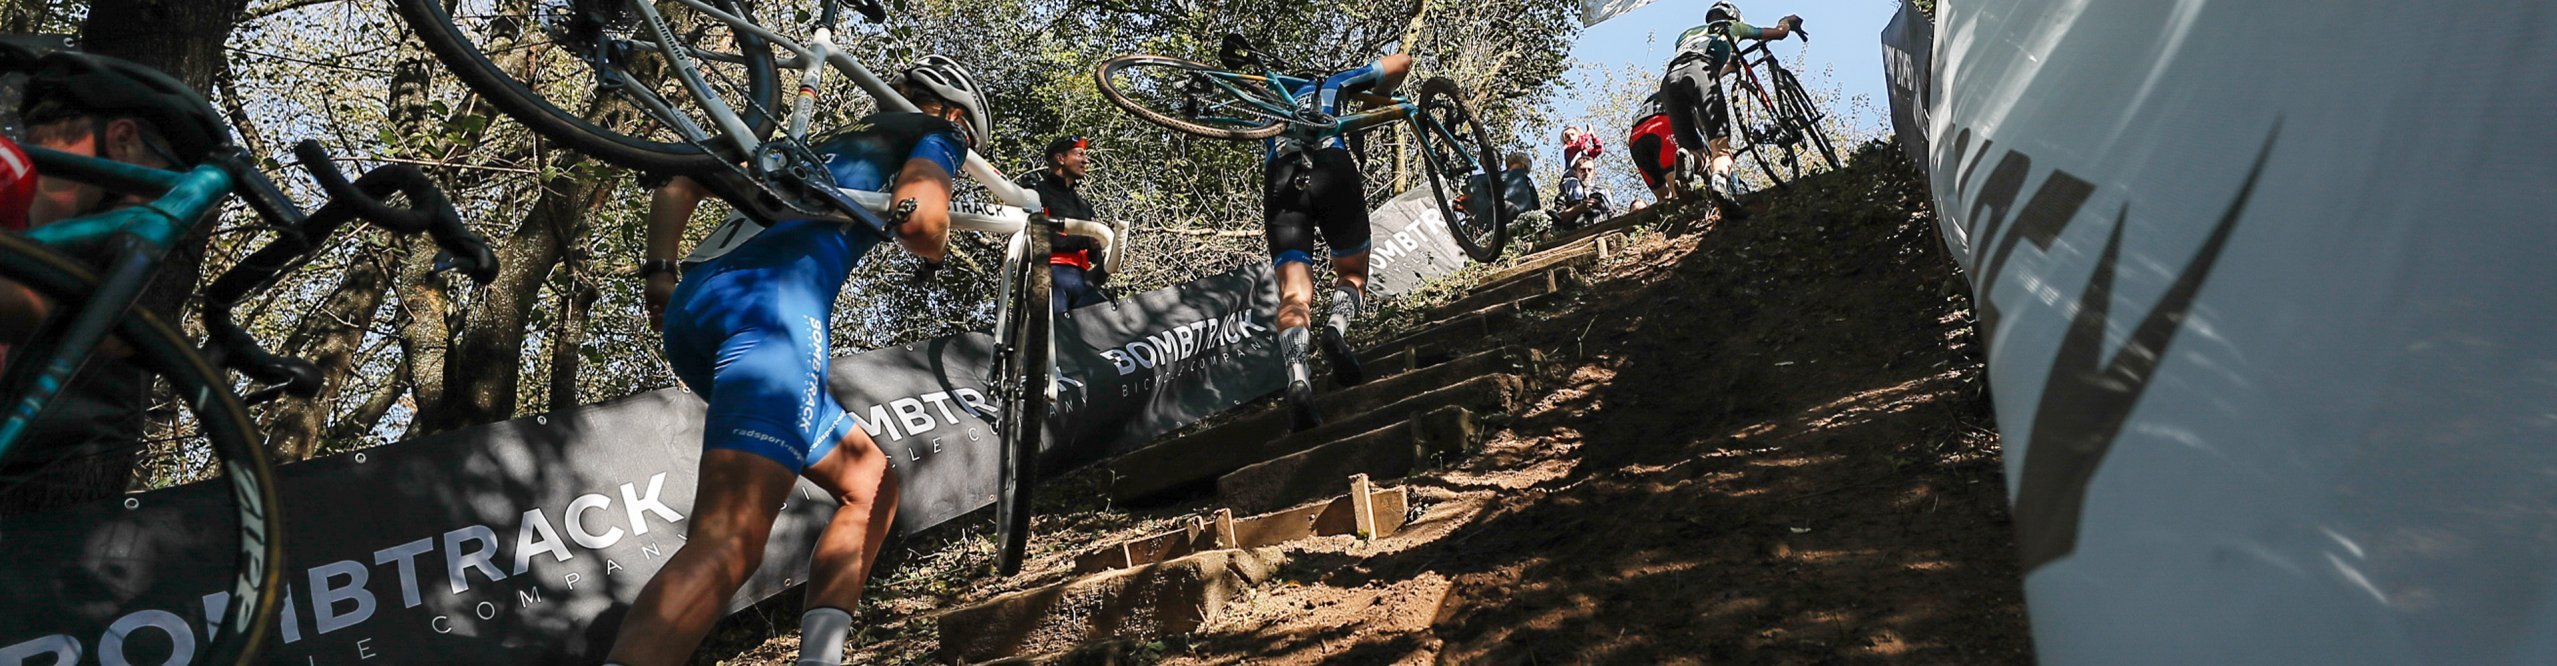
1074, 262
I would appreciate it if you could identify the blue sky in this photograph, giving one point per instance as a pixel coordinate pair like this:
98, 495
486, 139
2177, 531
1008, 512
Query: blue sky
1846, 42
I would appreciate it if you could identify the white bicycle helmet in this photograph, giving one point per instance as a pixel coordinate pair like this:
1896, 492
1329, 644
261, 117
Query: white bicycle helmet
1722, 11
944, 78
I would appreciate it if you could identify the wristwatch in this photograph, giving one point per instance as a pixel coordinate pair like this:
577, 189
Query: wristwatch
655, 266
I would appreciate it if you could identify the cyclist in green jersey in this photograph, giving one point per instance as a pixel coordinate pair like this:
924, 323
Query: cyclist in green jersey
1692, 90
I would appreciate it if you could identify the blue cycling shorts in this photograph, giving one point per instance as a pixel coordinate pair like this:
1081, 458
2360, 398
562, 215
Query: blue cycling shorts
749, 333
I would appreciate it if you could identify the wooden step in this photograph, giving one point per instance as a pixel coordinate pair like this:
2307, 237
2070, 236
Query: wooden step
1162, 599
1523, 287
1194, 461
1471, 330
1574, 257
1341, 515
1391, 452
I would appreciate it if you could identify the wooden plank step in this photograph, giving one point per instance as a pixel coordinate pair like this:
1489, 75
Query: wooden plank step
1445, 337
1574, 257
1613, 225
1523, 287
1195, 461
1391, 452
1338, 405
1161, 599
1221, 530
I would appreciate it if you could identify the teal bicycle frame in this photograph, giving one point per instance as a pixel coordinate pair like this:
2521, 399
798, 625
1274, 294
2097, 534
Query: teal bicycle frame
1388, 108
137, 238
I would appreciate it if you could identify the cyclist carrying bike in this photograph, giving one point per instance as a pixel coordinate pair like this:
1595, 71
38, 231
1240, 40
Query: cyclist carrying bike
103, 107
746, 327
1312, 187
1691, 93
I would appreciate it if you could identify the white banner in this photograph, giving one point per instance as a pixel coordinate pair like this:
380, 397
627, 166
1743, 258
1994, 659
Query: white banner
1594, 11
2272, 320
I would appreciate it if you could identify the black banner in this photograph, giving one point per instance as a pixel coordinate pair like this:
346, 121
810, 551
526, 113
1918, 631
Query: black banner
524, 541
1908, 43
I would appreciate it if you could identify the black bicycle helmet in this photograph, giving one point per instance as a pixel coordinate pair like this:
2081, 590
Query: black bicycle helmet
74, 82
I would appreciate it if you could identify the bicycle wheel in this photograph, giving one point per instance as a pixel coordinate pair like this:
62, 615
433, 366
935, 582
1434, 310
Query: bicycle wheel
1022, 377
1455, 152
536, 61
168, 564
1805, 117
1196, 98
1760, 131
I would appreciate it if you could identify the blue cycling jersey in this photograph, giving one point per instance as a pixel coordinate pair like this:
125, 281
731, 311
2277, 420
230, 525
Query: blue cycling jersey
1327, 94
747, 329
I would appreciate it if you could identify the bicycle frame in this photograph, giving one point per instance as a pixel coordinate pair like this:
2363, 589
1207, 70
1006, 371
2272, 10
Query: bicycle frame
1011, 218
1385, 108
138, 236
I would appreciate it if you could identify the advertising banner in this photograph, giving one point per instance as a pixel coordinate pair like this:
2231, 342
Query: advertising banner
2269, 324
524, 541
1908, 46
1411, 245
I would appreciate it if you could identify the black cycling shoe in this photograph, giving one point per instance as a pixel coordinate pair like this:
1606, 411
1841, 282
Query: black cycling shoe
1345, 370
1301, 414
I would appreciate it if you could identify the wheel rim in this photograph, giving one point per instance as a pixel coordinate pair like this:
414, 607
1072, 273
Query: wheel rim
222, 442
528, 46
1193, 97
1444, 127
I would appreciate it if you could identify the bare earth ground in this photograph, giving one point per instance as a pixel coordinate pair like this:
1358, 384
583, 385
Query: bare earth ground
1763, 442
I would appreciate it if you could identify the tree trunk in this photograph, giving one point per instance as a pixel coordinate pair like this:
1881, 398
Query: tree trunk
183, 38
351, 429
568, 337
492, 335
329, 336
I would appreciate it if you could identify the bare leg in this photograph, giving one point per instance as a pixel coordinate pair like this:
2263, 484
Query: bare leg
1350, 270
734, 504
857, 474
1296, 295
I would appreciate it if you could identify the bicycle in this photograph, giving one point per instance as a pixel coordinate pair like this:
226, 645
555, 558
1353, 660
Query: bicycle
1218, 103
608, 42
1773, 113
93, 305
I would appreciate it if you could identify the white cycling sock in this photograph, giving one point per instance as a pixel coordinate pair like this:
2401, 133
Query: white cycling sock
1292, 345
821, 636
1346, 303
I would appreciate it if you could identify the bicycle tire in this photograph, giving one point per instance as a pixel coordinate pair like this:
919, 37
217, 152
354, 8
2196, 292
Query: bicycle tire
1805, 117
434, 25
1104, 76
257, 573
1768, 149
1480, 240
1022, 356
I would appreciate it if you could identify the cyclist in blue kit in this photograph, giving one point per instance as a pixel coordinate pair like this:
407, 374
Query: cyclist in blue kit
746, 328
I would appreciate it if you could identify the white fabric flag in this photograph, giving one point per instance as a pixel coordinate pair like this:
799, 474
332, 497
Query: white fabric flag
1594, 11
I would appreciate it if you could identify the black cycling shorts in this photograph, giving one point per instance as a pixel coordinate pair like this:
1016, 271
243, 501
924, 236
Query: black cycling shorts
1692, 96
1331, 202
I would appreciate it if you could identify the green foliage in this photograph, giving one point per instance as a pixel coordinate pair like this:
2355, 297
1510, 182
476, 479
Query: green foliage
333, 72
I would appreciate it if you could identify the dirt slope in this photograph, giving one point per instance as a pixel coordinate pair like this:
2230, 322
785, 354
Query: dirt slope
1762, 441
